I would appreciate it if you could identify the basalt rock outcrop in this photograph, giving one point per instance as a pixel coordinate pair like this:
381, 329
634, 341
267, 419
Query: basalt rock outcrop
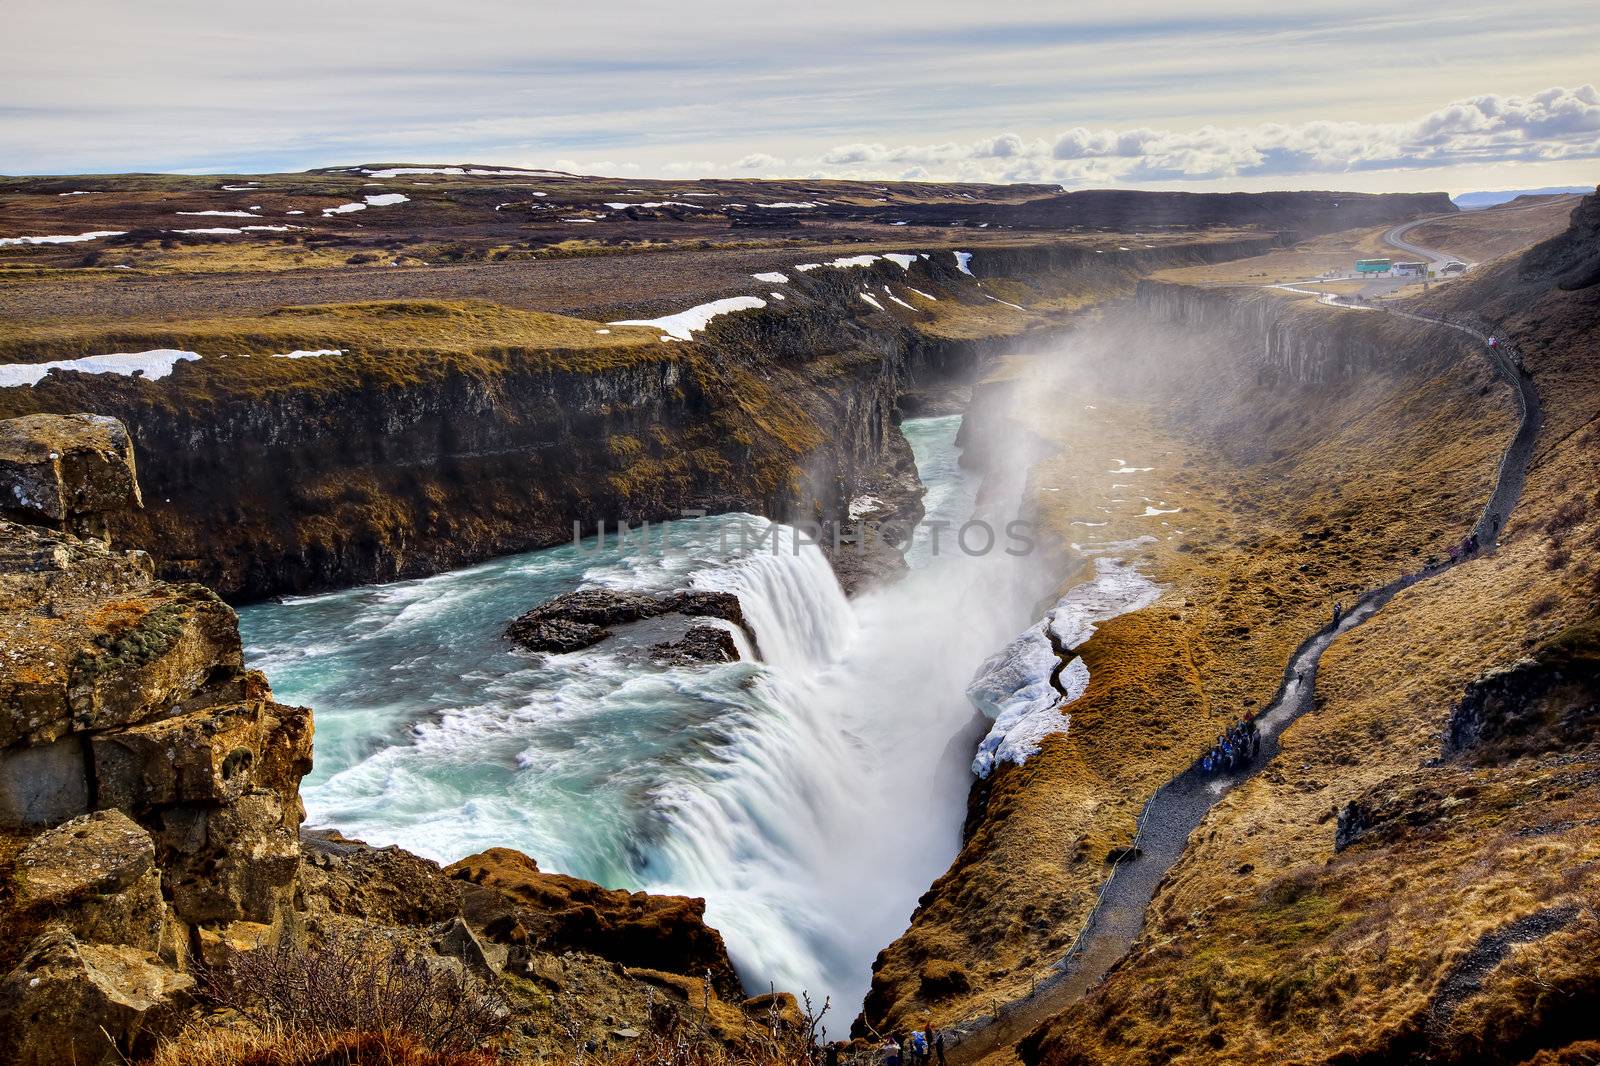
150, 819
71, 472
701, 644
1572, 259
1296, 342
1546, 702
150, 781
577, 620
526, 905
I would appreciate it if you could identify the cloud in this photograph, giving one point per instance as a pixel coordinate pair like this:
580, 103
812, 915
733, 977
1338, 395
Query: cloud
759, 161
1556, 124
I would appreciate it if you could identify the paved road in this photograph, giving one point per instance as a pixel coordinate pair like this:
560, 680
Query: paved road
1395, 238
1179, 806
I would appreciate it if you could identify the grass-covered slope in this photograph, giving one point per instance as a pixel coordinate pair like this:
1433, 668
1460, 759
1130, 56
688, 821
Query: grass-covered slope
1413, 878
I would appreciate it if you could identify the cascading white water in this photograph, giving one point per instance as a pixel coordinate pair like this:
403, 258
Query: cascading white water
791, 599
810, 798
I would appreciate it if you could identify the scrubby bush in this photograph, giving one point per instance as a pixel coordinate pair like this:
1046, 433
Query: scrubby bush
279, 1047
361, 983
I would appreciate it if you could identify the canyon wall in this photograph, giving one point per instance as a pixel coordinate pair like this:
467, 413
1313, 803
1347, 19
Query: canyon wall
1299, 453
1291, 337
401, 465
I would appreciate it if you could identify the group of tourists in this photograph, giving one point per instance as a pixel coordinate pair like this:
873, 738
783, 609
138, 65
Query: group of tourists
921, 1047
1465, 550
1234, 750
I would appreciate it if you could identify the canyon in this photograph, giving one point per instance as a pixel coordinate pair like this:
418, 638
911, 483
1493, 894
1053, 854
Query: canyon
1275, 454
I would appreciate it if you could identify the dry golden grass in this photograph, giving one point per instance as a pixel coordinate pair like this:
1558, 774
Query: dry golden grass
202, 1045
1479, 236
1333, 252
385, 344
1290, 500
1267, 946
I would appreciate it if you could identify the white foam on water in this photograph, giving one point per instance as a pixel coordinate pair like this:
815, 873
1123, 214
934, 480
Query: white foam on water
810, 797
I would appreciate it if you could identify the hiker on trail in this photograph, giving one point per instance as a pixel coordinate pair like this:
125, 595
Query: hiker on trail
1494, 524
1338, 613
891, 1052
919, 1047
938, 1046
1494, 342
831, 1056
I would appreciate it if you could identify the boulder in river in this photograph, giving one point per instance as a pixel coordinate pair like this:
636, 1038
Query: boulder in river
576, 620
701, 644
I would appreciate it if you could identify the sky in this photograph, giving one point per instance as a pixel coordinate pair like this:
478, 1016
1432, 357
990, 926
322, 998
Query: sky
1247, 95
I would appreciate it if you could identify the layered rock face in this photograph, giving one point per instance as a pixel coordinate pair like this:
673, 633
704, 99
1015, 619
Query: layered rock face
403, 462
1290, 341
150, 817
159, 775
70, 472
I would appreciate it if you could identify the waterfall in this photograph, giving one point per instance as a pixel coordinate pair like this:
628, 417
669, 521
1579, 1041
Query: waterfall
809, 796
791, 599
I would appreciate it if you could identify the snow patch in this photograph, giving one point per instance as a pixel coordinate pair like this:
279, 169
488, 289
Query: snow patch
872, 300
847, 262
72, 238
385, 199
683, 324
154, 365
301, 353
1013, 687
862, 506
964, 263
772, 277
223, 214
219, 230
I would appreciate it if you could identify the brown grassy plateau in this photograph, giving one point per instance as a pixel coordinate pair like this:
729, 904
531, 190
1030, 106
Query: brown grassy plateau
1459, 925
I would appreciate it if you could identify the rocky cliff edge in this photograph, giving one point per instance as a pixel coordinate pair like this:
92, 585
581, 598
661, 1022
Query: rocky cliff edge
150, 817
